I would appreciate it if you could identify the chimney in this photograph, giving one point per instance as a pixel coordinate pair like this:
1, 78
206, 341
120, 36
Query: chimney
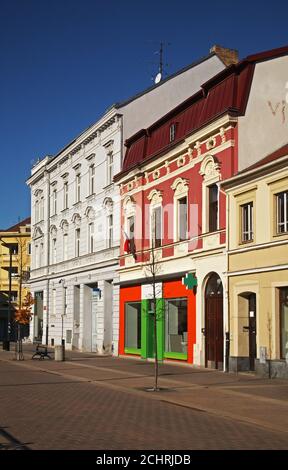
228, 56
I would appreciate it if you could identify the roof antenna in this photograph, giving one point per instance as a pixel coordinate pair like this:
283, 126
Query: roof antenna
159, 75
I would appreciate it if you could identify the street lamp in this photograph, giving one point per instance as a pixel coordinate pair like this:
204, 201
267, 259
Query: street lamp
6, 344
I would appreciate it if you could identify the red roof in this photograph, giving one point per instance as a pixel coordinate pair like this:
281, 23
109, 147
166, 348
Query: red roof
226, 92
16, 228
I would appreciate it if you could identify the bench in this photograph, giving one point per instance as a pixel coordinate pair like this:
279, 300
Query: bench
41, 352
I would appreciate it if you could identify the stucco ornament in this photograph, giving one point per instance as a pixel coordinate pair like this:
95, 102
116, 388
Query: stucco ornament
64, 226
181, 161
155, 197
53, 231
108, 205
90, 213
37, 233
129, 206
210, 168
210, 144
180, 186
76, 219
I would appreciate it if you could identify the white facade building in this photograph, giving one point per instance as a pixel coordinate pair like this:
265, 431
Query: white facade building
75, 220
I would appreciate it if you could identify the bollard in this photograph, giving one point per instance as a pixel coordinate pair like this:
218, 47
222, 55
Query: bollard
59, 356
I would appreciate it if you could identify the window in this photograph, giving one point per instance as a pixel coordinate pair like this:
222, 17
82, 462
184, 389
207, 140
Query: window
29, 248
42, 208
36, 210
54, 251
176, 326
65, 246
54, 202
41, 253
282, 212
247, 222
78, 188
133, 325
110, 168
182, 218
36, 257
110, 230
92, 179
14, 248
66, 195
156, 227
77, 242
213, 207
91, 237
172, 132
283, 303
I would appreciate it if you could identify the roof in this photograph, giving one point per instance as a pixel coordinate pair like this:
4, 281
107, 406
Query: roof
226, 92
262, 166
16, 228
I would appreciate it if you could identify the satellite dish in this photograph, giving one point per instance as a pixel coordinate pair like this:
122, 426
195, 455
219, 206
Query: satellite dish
158, 78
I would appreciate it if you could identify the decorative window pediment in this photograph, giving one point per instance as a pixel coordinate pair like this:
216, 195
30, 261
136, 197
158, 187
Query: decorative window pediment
90, 213
64, 226
155, 197
38, 192
53, 231
129, 206
76, 219
37, 233
108, 205
210, 168
180, 186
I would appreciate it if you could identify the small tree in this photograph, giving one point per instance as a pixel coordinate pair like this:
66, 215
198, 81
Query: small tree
23, 316
152, 270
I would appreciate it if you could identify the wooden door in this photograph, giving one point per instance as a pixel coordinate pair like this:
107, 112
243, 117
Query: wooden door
214, 331
252, 331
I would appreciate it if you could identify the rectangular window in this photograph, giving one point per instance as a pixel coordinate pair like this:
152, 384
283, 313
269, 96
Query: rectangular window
110, 230
172, 132
54, 201
176, 330
91, 237
282, 212
247, 222
182, 218
78, 188
29, 248
53, 251
92, 179
133, 325
213, 207
110, 168
77, 242
65, 246
42, 208
37, 211
283, 303
66, 195
156, 228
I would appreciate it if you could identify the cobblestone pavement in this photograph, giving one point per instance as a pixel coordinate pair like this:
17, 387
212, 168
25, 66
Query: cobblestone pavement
94, 402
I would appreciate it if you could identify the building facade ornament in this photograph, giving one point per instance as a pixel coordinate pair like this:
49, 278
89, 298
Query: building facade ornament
180, 186
155, 197
210, 168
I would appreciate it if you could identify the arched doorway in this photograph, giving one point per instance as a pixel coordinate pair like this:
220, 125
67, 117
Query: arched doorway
214, 322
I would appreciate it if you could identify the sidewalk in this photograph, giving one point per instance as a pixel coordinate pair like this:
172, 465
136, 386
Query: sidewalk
242, 397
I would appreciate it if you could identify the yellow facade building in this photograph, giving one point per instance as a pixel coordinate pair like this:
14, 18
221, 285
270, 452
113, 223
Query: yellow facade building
257, 221
14, 240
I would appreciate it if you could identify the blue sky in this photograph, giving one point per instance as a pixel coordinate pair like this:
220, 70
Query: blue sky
62, 63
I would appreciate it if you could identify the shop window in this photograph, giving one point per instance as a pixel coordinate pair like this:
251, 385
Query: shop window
176, 326
283, 302
133, 325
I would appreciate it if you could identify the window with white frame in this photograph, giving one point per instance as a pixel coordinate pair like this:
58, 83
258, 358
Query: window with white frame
91, 179
182, 218
78, 187
213, 194
172, 132
65, 205
156, 226
77, 242
247, 222
91, 237
54, 201
282, 212
65, 246
110, 230
109, 168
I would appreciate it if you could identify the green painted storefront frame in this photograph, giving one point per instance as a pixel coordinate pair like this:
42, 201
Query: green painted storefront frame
133, 351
